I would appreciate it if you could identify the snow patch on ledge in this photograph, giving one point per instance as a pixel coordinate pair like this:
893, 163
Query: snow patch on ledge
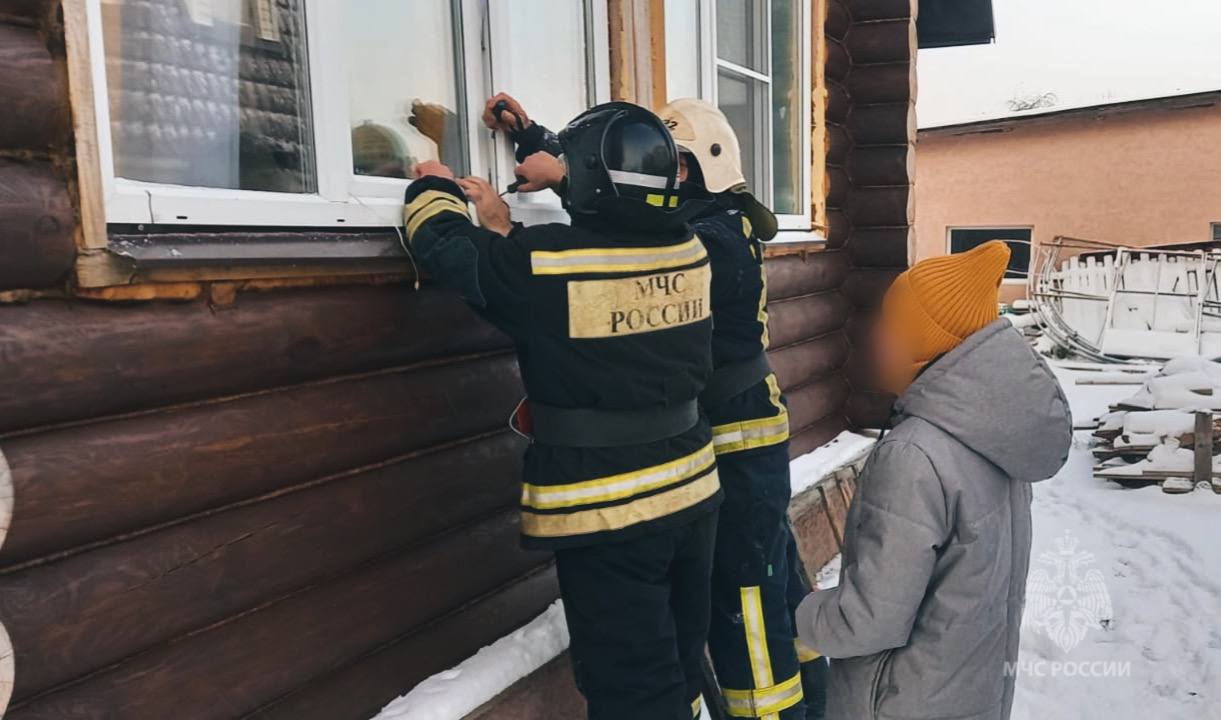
807, 470
455, 692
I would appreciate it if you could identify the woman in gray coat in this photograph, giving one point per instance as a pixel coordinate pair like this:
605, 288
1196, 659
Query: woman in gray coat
925, 620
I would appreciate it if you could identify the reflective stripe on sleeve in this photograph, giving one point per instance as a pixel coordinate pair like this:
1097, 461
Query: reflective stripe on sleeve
429, 204
748, 434
616, 260
697, 706
804, 653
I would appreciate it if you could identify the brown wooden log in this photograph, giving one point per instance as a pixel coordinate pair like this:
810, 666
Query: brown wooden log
799, 319
35, 102
550, 692
36, 226
839, 228
817, 434
839, 105
33, 12
888, 41
838, 186
864, 11
839, 145
881, 206
128, 597
885, 124
798, 365
86, 360
890, 83
839, 19
257, 657
358, 691
883, 165
885, 247
869, 409
796, 275
816, 400
87, 483
839, 64
864, 287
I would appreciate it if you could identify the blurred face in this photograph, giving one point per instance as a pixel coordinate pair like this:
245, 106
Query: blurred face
895, 368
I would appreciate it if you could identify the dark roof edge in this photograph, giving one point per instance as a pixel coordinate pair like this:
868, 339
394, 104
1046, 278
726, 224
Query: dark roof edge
1170, 102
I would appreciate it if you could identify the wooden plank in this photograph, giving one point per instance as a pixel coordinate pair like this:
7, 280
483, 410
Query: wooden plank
88, 483
839, 145
217, 674
839, 105
87, 360
839, 185
82, 94
36, 246
35, 113
839, 228
1203, 442
838, 61
796, 275
550, 692
798, 365
815, 401
864, 11
798, 319
99, 607
839, 19
35, 12
865, 287
359, 690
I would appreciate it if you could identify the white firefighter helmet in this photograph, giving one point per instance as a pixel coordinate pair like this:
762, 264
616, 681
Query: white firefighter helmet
701, 129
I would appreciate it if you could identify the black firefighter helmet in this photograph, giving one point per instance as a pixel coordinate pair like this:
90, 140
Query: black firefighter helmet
622, 165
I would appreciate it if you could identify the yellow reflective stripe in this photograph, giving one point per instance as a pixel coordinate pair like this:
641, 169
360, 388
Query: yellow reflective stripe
764, 702
765, 337
756, 636
612, 260
748, 434
696, 706
429, 204
804, 653
614, 487
773, 393
618, 517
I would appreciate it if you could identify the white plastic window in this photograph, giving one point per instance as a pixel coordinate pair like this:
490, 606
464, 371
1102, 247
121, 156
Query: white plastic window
314, 113
752, 58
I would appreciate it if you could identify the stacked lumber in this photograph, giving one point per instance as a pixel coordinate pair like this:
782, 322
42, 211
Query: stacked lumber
1163, 434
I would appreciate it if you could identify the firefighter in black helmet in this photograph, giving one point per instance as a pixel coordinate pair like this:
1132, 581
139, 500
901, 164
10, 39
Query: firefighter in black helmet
612, 324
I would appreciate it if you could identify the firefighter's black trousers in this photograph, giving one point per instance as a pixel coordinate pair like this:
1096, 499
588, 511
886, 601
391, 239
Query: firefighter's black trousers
638, 618
751, 638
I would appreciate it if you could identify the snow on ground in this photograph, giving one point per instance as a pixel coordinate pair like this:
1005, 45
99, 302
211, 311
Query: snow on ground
808, 469
1160, 565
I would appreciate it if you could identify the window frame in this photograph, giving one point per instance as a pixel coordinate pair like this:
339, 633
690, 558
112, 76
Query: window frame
343, 199
797, 227
949, 245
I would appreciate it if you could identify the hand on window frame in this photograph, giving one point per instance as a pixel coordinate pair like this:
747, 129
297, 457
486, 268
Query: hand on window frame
492, 210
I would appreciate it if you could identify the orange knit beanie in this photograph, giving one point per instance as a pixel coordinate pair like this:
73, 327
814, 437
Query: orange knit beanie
939, 302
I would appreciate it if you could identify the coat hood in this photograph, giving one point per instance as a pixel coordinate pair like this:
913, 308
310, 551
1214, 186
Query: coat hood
995, 395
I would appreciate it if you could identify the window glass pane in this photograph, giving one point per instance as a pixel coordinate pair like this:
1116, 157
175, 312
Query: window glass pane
741, 101
787, 160
1018, 240
740, 28
210, 93
682, 48
403, 110
547, 63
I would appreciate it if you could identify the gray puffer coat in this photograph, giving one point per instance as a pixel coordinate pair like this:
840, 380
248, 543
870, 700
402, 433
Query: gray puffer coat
929, 606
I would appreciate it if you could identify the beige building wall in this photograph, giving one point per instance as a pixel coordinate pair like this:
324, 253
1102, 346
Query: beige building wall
1145, 177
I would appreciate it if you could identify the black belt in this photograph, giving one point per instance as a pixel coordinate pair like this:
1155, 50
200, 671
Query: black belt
590, 428
734, 379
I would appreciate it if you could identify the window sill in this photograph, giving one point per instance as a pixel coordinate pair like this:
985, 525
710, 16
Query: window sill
795, 242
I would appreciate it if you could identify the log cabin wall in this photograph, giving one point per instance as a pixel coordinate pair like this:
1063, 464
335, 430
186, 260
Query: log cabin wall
286, 504
871, 117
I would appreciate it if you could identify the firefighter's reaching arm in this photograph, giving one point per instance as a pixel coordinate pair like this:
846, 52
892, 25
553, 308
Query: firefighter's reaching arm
537, 148
490, 271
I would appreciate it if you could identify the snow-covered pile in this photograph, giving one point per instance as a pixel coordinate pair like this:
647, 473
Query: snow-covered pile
1150, 434
846, 448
